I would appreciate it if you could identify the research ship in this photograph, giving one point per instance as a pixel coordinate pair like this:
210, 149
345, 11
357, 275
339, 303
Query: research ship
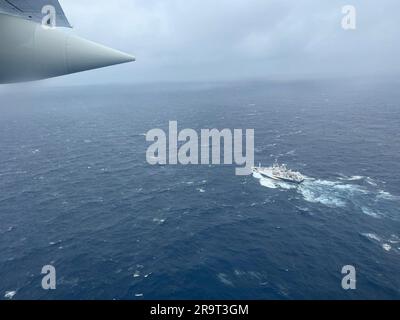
280, 173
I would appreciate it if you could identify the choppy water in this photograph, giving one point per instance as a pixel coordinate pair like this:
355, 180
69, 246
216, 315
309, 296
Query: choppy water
76, 192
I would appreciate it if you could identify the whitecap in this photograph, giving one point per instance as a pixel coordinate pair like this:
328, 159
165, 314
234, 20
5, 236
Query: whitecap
224, 279
386, 195
291, 152
10, 294
371, 182
370, 212
136, 274
372, 236
159, 221
387, 247
239, 273
356, 178
394, 239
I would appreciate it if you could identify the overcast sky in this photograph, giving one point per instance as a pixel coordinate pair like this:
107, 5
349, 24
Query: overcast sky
181, 40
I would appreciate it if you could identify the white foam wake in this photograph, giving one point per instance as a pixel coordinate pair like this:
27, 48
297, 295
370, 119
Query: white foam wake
329, 193
337, 193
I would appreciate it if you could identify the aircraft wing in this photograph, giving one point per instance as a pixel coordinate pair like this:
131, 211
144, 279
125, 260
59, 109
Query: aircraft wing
32, 10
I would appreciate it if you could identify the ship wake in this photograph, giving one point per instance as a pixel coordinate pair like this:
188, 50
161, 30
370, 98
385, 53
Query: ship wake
360, 193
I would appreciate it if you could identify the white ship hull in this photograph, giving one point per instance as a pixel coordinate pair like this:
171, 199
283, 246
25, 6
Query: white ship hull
268, 173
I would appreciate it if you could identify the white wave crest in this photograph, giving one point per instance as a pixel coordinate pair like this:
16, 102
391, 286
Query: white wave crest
10, 294
387, 196
372, 236
371, 213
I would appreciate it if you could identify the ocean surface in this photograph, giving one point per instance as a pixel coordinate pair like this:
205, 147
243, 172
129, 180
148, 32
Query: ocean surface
76, 192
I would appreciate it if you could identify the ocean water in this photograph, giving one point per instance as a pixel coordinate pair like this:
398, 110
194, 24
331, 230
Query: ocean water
76, 192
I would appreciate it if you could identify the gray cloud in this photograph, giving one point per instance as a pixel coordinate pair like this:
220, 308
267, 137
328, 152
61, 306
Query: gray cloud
181, 40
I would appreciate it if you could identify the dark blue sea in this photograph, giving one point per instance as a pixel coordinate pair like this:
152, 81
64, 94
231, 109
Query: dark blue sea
76, 192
